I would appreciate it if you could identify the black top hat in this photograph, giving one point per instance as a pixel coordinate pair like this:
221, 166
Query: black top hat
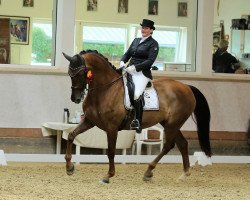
148, 23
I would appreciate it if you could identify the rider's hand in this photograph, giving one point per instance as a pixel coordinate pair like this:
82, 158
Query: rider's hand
122, 64
121, 67
130, 69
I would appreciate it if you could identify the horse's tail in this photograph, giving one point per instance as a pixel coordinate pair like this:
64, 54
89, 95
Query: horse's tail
202, 116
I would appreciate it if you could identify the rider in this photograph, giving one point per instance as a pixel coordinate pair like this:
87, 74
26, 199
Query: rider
142, 54
224, 62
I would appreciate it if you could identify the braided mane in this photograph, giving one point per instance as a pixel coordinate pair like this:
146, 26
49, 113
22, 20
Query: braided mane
96, 52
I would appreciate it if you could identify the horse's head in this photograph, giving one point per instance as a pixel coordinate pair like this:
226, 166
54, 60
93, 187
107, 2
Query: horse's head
77, 72
92, 68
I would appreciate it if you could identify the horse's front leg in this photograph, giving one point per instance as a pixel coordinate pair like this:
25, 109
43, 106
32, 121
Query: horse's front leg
112, 137
82, 126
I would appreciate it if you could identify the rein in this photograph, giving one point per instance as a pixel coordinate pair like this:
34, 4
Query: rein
103, 86
85, 90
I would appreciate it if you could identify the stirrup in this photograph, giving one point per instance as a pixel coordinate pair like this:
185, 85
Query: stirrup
138, 130
135, 125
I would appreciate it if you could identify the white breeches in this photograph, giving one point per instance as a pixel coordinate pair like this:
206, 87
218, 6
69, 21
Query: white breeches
140, 82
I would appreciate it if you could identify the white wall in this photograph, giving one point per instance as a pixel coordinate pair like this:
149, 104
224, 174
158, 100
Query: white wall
42, 9
137, 10
228, 101
204, 37
29, 100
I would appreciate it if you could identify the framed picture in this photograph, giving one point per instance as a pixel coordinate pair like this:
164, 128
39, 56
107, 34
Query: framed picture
28, 3
122, 6
182, 9
92, 5
19, 29
153, 7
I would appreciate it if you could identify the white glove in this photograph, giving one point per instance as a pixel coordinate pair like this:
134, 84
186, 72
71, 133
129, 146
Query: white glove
122, 64
130, 69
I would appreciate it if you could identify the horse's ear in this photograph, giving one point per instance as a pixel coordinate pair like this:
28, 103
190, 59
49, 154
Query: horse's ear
70, 59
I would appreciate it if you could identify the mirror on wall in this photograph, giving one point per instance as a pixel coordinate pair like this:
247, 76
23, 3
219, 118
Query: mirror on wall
28, 40
34, 21
232, 30
111, 32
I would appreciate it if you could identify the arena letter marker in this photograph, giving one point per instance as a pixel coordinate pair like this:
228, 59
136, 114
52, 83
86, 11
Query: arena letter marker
2, 158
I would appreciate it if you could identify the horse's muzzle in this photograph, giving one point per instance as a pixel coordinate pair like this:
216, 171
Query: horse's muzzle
75, 100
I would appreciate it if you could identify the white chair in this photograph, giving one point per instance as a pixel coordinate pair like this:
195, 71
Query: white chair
148, 138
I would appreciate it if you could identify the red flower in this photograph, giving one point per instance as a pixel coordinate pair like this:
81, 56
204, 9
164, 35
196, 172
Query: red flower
89, 74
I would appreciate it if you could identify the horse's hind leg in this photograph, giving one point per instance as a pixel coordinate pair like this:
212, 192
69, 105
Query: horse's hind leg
83, 126
168, 145
182, 145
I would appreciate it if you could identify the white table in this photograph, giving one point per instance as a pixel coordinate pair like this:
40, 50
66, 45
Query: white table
93, 138
58, 127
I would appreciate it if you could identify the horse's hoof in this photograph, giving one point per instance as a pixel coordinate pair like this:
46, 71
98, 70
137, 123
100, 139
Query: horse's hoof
104, 181
148, 177
184, 176
71, 170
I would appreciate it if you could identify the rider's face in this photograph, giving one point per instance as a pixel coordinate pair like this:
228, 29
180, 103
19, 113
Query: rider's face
146, 31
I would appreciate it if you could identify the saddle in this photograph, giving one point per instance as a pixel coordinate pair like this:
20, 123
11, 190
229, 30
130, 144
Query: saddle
150, 96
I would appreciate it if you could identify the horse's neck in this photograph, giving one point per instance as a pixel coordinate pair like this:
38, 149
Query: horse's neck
105, 92
102, 72
106, 83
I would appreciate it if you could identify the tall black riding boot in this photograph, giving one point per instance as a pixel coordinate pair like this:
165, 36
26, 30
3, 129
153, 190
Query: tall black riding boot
136, 123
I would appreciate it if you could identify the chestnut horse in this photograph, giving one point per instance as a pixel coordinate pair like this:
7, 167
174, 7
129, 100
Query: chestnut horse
103, 107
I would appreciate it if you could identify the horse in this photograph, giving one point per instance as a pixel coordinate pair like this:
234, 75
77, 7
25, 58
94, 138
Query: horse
103, 107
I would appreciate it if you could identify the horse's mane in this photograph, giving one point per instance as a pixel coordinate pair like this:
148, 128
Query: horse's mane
96, 52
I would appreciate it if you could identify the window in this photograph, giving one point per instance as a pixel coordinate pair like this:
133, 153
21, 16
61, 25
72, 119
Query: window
109, 41
172, 48
41, 43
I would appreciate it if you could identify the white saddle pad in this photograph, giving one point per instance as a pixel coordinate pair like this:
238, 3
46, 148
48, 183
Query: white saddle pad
150, 98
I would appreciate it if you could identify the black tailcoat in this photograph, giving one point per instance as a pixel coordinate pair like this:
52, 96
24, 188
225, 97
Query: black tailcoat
142, 55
